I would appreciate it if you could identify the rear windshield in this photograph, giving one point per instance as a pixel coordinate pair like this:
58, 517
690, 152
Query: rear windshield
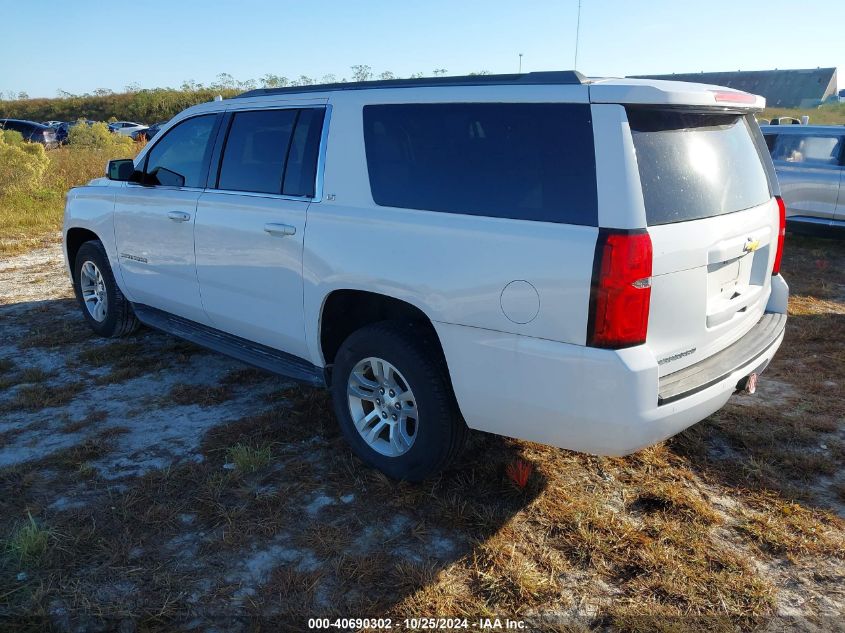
695, 165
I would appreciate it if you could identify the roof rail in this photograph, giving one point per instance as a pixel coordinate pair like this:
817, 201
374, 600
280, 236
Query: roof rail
551, 77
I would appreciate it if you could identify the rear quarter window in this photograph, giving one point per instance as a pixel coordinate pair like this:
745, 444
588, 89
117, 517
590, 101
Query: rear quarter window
526, 161
697, 165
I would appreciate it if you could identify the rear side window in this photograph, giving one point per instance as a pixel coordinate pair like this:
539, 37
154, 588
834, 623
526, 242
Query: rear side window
255, 151
179, 159
695, 165
800, 148
527, 161
272, 151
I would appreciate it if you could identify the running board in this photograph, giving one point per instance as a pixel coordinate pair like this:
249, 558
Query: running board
255, 354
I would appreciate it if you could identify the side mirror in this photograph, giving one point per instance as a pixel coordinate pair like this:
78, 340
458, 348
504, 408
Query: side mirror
120, 169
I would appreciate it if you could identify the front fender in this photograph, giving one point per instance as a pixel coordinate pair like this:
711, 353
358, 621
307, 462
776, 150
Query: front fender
92, 208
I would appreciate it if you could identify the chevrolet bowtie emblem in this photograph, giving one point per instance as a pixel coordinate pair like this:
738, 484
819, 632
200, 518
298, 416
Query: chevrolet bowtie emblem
751, 246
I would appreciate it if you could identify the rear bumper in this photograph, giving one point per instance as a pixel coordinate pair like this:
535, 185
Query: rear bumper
596, 401
718, 367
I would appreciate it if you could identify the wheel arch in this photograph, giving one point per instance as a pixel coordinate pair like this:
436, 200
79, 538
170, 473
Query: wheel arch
75, 237
347, 310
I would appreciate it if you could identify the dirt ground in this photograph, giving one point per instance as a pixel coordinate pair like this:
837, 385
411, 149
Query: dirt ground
147, 484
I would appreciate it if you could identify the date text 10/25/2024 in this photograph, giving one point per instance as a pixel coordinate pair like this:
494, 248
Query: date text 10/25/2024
418, 624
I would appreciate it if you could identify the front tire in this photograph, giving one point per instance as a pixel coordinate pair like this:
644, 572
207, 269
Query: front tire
103, 305
394, 402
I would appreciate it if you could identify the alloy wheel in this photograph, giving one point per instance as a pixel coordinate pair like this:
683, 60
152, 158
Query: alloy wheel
383, 407
93, 289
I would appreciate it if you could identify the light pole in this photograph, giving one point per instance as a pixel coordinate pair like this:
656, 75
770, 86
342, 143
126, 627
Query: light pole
520, 63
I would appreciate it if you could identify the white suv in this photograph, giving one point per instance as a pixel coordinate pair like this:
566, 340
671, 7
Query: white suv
587, 263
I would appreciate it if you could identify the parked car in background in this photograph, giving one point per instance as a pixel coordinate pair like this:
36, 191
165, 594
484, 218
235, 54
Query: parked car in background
592, 264
64, 128
810, 165
32, 131
126, 128
148, 132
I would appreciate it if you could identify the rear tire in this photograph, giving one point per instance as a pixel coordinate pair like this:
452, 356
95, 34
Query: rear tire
103, 305
414, 433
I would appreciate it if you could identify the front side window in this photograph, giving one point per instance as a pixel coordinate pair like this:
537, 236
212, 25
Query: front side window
816, 149
180, 158
527, 161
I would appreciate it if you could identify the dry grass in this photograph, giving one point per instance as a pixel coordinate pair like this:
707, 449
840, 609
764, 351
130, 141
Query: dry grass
730, 526
789, 528
134, 357
28, 375
111, 353
58, 333
31, 397
201, 395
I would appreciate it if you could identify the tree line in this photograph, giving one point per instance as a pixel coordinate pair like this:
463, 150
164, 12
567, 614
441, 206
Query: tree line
158, 104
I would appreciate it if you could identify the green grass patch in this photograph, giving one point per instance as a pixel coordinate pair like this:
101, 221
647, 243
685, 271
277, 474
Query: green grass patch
29, 542
250, 459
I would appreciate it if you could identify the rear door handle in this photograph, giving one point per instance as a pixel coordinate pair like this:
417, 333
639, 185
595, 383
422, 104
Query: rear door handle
280, 230
179, 216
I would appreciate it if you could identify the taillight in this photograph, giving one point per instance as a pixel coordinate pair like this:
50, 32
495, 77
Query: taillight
621, 289
781, 234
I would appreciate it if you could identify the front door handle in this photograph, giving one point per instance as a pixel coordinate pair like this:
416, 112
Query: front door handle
179, 216
280, 230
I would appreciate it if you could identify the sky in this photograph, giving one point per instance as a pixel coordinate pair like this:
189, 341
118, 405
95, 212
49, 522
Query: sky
85, 45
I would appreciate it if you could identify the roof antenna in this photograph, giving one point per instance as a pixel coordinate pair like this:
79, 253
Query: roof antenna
577, 33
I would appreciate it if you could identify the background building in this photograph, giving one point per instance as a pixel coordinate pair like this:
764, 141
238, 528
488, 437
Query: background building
802, 88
